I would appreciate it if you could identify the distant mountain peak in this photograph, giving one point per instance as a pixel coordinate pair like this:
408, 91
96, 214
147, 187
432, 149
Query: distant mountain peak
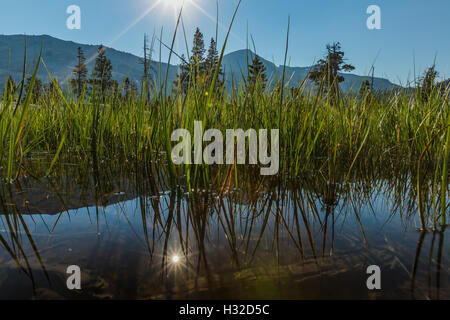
60, 58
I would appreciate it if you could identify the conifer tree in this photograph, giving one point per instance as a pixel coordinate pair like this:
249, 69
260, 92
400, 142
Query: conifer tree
195, 68
129, 88
211, 62
326, 73
101, 77
256, 72
365, 87
198, 55
428, 82
37, 90
212, 59
50, 87
80, 73
198, 49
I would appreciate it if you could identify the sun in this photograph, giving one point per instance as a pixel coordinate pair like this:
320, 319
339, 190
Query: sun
175, 4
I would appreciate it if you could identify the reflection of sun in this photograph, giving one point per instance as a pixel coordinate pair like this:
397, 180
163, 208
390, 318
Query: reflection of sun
176, 261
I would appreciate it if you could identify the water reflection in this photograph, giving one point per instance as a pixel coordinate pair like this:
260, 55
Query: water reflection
134, 238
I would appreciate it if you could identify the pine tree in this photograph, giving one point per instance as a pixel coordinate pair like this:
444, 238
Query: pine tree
195, 68
198, 55
101, 77
428, 82
326, 73
129, 88
115, 92
365, 87
198, 49
211, 62
256, 72
212, 59
80, 73
37, 90
50, 87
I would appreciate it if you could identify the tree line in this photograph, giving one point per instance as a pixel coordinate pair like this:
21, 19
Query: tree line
101, 80
197, 72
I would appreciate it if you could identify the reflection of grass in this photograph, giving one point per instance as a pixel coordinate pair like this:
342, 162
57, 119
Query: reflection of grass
354, 133
18, 230
264, 235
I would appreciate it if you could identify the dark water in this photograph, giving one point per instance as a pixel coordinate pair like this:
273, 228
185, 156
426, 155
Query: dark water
295, 241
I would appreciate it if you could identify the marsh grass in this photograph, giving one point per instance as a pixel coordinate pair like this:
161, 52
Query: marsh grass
330, 137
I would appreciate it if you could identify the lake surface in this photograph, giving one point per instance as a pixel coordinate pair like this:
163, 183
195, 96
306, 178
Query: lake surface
289, 240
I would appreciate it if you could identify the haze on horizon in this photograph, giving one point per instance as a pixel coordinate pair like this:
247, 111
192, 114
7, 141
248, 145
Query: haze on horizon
412, 31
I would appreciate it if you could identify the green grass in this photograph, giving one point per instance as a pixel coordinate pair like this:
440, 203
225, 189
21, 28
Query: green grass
314, 134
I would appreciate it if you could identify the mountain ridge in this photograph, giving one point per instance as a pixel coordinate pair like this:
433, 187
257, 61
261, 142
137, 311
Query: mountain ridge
60, 58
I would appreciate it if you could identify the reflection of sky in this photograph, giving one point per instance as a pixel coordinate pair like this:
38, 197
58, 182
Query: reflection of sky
112, 239
105, 223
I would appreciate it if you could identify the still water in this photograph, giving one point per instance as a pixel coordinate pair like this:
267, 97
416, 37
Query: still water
297, 240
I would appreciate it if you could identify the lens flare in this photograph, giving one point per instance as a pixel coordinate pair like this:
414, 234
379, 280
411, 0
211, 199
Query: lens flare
176, 4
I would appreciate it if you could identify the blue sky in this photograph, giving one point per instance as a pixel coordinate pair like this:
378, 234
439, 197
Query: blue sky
410, 28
